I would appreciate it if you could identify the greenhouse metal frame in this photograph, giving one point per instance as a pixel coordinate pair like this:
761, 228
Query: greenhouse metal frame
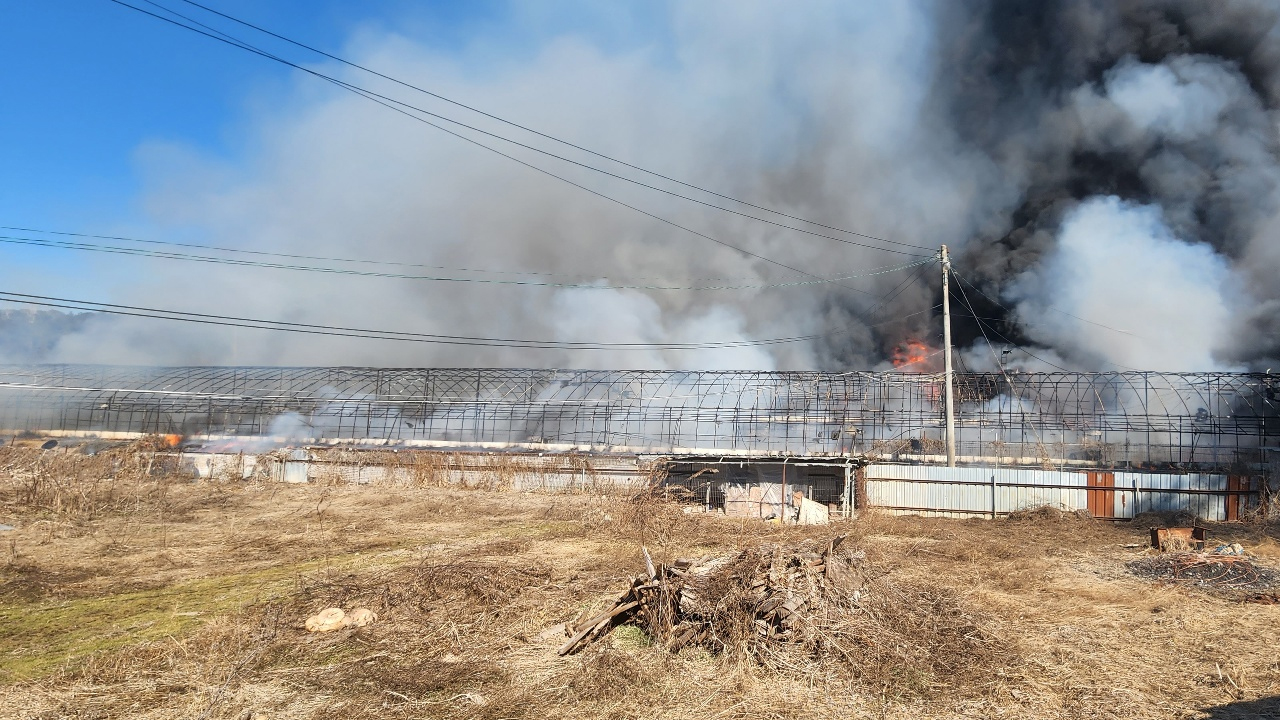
1132, 419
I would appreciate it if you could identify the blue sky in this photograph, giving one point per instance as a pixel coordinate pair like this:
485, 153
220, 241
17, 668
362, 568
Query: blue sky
88, 82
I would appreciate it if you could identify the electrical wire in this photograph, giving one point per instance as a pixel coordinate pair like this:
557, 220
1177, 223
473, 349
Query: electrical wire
333, 401
328, 258
533, 131
116, 250
899, 288
1022, 323
1028, 352
1050, 307
292, 256
384, 100
400, 336
1012, 388
374, 98
982, 329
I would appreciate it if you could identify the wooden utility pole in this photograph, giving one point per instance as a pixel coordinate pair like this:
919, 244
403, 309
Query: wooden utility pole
946, 356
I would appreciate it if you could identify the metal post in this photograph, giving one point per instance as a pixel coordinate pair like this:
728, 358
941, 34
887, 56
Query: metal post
946, 355
848, 490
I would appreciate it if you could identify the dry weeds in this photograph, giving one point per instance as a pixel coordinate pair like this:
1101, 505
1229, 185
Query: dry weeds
127, 593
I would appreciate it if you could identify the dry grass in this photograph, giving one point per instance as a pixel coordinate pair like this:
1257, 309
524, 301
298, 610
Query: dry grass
128, 594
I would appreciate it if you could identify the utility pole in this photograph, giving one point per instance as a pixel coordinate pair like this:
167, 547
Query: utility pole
946, 355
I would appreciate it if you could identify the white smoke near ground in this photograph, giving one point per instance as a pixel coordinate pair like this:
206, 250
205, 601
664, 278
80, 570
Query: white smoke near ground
1117, 162
629, 316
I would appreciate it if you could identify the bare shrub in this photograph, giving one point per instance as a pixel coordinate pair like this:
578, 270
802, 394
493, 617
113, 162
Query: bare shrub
126, 478
653, 515
606, 674
1049, 513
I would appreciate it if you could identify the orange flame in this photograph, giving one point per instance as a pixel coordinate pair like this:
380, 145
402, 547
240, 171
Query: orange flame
172, 440
910, 356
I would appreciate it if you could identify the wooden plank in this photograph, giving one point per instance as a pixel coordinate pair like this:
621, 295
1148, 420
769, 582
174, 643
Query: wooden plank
606, 615
596, 622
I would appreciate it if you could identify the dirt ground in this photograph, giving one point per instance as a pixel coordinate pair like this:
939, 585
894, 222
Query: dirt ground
166, 599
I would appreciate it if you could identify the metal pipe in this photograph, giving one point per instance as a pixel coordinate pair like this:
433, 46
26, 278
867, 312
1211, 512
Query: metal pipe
848, 500
784, 492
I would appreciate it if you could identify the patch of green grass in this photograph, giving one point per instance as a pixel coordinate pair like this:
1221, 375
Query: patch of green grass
630, 637
41, 636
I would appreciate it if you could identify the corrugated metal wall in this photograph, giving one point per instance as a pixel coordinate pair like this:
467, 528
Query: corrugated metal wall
1208, 496
549, 473
985, 491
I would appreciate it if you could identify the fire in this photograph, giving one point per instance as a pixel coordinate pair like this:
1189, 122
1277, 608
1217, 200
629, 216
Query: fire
910, 356
172, 440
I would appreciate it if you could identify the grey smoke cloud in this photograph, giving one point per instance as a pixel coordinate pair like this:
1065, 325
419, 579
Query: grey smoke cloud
1115, 160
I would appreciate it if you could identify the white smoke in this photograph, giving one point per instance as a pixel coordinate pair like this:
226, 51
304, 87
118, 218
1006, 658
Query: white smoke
822, 118
1167, 304
930, 123
629, 316
1182, 99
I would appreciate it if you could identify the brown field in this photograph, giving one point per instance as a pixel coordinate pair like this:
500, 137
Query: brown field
124, 593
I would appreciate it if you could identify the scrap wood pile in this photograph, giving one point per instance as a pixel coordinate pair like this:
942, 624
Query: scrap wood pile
765, 594
1214, 570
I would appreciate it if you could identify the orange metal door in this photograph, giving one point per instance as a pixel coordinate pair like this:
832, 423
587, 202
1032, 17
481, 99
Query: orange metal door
1238, 484
1101, 494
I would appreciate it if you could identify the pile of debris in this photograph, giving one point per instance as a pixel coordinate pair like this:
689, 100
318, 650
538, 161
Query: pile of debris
1226, 570
765, 594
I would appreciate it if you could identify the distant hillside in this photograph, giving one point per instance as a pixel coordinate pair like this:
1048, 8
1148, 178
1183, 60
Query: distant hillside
30, 335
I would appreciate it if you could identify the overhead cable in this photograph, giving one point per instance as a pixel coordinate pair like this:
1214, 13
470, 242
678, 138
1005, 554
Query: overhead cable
399, 336
1050, 307
384, 100
1013, 344
371, 96
982, 329
541, 134
140, 252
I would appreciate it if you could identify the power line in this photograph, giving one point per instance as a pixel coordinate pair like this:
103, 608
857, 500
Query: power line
1021, 323
368, 334
327, 258
374, 98
981, 329
1012, 388
1013, 344
384, 100
898, 289
323, 258
1050, 307
537, 132
139, 252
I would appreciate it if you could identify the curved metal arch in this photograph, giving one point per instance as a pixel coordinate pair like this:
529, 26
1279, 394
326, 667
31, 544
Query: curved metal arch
1142, 417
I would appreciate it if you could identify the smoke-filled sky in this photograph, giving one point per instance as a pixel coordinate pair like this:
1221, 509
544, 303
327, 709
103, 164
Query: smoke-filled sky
1106, 174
